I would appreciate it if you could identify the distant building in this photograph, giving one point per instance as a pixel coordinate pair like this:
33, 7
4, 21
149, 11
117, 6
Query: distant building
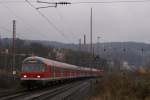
126, 66
59, 56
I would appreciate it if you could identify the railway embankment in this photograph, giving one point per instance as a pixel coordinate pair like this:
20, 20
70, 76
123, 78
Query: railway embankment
126, 86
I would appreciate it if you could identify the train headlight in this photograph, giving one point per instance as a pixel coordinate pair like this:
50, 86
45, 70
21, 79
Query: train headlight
25, 76
38, 76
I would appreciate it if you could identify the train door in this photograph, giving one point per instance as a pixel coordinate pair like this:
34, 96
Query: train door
58, 72
52, 72
62, 73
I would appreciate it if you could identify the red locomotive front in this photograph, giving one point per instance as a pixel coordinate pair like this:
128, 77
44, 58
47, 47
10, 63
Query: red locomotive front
35, 72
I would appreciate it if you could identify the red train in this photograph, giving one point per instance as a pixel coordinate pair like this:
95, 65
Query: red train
38, 70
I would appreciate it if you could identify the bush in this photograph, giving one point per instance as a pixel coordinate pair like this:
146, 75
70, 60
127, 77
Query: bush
7, 81
123, 87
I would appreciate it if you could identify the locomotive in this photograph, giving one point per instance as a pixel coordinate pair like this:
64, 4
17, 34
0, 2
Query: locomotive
41, 71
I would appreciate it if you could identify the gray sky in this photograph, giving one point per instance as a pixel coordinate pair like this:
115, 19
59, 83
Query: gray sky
111, 21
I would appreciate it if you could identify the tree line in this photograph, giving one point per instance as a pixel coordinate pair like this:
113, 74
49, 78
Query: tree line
24, 49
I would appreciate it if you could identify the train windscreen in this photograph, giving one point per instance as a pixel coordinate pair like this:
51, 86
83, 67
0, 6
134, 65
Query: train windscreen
33, 67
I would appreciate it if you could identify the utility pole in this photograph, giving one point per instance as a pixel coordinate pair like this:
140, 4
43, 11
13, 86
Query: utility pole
0, 51
0, 45
142, 55
84, 39
98, 44
84, 42
79, 44
91, 37
13, 47
91, 47
91, 32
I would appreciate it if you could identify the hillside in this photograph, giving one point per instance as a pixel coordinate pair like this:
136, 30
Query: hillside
136, 54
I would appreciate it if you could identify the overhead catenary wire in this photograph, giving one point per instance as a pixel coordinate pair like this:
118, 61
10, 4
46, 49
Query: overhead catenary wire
55, 4
9, 31
3, 28
14, 1
48, 21
64, 22
83, 2
80, 2
109, 2
20, 18
28, 26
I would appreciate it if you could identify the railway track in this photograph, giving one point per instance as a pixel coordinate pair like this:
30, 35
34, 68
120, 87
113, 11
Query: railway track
6, 94
72, 93
55, 93
62, 92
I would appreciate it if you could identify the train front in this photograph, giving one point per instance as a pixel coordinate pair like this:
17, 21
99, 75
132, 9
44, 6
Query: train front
34, 72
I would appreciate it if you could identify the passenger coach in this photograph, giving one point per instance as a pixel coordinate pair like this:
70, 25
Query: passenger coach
38, 70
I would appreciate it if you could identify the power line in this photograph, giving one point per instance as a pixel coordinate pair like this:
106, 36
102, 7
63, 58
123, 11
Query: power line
110, 2
5, 29
18, 17
100, 2
14, 46
8, 30
53, 25
17, 1
49, 22
21, 19
55, 4
64, 22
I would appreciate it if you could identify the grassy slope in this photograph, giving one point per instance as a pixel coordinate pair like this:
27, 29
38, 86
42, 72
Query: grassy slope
131, 86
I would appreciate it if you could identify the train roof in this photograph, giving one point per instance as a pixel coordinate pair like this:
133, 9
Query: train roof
59, 64
85, 68
52, 62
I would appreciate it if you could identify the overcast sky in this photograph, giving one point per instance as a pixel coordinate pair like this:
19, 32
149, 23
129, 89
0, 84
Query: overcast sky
126, 21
